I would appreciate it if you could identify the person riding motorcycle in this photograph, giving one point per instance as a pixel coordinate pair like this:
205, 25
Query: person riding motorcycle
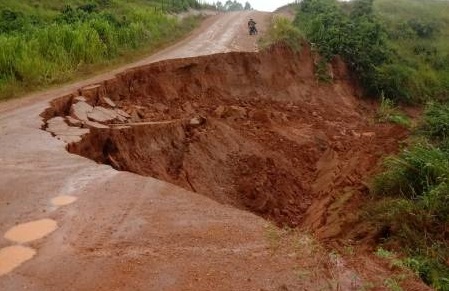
252, 27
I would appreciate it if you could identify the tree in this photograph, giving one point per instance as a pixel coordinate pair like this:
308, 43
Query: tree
233, 5
248, 6
219, 6
359, 37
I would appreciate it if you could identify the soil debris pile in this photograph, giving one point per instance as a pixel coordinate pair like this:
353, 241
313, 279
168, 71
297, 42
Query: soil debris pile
254, 130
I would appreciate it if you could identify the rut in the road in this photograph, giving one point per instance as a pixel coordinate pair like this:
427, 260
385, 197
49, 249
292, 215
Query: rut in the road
255, 130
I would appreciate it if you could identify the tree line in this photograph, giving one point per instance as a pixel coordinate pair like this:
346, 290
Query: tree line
232, 6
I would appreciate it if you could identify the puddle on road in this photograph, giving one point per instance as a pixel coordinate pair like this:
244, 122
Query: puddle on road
63, 200
13, 256
30, 231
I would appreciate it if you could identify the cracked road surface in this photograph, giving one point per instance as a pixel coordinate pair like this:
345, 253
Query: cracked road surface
121, 231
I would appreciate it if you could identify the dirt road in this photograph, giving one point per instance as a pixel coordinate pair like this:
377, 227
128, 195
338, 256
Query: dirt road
68, 223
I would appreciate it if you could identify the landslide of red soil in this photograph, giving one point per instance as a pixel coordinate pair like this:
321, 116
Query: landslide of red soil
254, 130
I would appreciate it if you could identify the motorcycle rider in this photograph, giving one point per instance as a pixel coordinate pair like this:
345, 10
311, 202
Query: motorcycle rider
252, 25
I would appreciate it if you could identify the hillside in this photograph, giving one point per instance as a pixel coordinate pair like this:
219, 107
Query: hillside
398, 52
49, 42
398, 49
418, 32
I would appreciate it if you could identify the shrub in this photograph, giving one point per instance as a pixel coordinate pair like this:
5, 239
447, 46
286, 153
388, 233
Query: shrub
322, 71
387, 48
282, 30
423, 29
436, 120
414, 172
359, 37
393, 80
16, 21
388, 112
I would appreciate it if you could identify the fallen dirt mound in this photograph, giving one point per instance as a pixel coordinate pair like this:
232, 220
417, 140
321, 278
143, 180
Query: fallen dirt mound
254, 130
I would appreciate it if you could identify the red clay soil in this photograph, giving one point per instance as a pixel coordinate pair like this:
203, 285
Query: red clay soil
254, 130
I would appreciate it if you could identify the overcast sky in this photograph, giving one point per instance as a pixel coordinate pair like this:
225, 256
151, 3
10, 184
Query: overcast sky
267, 5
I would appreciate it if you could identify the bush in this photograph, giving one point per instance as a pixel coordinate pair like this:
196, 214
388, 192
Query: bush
431, 271
423, 29
282, 30
389, 54
413, 173
16, 21
358, 37
393, 80
387, 112
325, 25
436, 120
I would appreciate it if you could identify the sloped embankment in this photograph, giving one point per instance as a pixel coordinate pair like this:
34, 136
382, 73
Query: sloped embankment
254, 130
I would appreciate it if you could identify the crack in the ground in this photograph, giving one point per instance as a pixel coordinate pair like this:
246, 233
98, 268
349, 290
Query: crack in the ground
253, 130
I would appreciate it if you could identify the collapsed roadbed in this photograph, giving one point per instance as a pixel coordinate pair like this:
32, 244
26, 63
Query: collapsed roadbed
253, 130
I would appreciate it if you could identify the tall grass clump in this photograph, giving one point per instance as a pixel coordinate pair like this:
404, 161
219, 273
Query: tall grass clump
436, 121
388, 112
413, 173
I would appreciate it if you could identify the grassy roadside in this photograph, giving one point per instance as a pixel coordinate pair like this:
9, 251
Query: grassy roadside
411, 199
397, 49
42, 45
399, 52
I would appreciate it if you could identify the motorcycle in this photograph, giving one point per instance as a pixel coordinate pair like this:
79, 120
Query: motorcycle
252, 30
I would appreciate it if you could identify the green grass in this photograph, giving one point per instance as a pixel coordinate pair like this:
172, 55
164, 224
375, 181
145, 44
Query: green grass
388, 112
397, 49
353, 33
412, 199
418, 33
49, 42
436, 124
413, 191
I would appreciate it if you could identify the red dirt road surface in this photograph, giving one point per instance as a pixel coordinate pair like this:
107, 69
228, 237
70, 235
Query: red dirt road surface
198, 160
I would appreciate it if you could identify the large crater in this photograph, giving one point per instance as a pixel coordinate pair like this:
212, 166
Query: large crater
254, 130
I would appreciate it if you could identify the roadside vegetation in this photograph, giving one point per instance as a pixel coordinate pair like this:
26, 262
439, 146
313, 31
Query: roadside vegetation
281, 30
418, 35
50, 42
389, 112
230, 5
399, 51
412, 199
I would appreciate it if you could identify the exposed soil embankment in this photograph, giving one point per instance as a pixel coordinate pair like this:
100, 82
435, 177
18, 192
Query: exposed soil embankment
254, 130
